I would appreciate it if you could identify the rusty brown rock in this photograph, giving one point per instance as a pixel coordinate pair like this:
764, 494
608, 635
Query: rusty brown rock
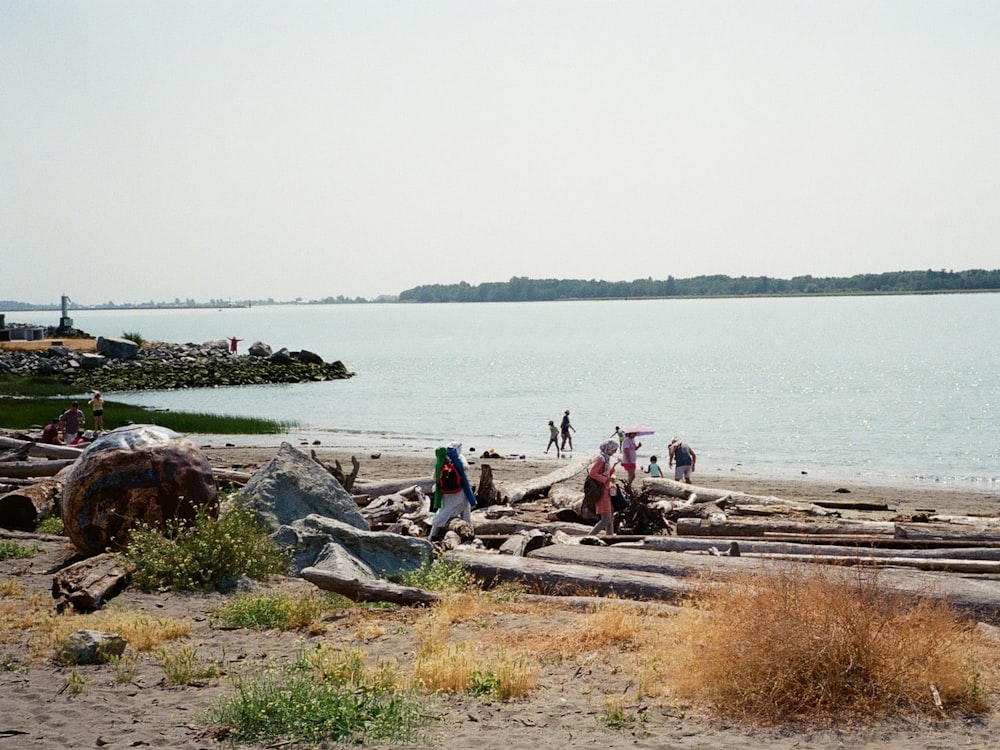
140, 473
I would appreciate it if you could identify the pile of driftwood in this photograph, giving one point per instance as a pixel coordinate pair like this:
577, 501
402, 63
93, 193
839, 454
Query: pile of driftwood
671, 538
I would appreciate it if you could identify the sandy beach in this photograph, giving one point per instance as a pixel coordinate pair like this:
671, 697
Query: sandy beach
564, 711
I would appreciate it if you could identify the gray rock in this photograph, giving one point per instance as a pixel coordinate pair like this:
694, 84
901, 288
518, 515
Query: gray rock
292, 486
259, 349
90, 361
308, 357
320, 542
282, 357
91, 647
117, 348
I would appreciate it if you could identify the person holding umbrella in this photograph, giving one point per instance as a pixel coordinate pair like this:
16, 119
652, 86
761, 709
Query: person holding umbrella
629, 456
630, 449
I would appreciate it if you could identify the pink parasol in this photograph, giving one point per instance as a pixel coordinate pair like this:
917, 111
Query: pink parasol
639, 429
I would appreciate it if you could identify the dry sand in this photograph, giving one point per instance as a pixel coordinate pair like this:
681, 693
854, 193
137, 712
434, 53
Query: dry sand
565, 711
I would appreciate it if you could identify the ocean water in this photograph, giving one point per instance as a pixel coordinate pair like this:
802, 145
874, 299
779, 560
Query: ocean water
901, 390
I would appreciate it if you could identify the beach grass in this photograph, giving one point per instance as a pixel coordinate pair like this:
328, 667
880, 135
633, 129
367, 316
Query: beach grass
26, 413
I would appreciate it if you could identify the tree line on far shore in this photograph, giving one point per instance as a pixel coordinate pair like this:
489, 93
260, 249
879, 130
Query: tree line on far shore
523, 289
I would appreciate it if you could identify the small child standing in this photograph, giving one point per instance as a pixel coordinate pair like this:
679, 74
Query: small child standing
654, 468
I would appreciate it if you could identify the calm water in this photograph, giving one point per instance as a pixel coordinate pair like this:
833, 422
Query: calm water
896, 390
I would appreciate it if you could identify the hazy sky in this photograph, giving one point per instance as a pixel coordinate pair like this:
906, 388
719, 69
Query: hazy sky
215, 149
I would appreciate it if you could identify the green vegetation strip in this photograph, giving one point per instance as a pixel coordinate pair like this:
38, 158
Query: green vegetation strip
25, 405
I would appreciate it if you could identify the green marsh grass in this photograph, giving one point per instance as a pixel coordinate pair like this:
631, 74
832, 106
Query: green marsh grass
23, 413
275, 612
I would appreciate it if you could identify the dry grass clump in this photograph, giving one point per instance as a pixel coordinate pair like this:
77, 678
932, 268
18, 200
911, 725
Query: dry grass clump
29, 620
813, 644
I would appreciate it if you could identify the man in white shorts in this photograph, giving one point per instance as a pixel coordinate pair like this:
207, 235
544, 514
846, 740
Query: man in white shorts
682, 458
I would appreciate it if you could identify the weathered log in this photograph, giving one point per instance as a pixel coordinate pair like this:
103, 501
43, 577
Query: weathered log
542, 577
42, 450
34, 468
943, 531
337, 472
725, 498
86, 585
18, 454
945, 565
385, 510
393, 486
749, 527
754, 546
876, 540
231, 475
486, 492
852, 505
22, 509
516, 493
371, 590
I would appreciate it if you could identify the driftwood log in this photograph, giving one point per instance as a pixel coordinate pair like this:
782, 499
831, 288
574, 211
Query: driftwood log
86, 585
944, 531
750, 547
16, 454
516, 493
23, 508
751, 527
369, 590
34, 468
41, 450
486, 492
231, 475
393, 486
557, 578
337, 471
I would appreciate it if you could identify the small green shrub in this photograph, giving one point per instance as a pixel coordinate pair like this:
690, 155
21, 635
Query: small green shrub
183, 666
272, 611
134, 336
12, 550
51, 525
203, 554
315, 702
441, 575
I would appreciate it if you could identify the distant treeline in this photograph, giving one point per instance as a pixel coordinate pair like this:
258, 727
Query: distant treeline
523, 289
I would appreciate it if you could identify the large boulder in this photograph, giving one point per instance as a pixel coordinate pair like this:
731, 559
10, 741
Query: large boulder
291, 486
139, 473
117, 348
259, 349
316, 541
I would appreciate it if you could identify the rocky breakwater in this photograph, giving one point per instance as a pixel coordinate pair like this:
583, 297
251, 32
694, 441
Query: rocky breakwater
122, 365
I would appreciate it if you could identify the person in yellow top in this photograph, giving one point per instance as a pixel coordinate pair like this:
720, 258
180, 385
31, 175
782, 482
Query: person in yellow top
97, 406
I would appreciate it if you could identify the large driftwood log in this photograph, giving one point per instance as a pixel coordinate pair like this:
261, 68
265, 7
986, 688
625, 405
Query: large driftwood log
977, 594
371, 590
724, 498
86, 585
34, 468
944, 531
24, 508
42, 450
753, 546
750, 527
231, 475
516, 493
564, 579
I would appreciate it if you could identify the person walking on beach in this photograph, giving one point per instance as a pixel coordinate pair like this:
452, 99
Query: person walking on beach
233, 341
96, 405
682, 458
630, 456
603, 472
553, 438
564, 429
71, 420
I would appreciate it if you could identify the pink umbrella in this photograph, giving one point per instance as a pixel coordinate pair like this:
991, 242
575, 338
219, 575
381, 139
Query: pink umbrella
639, 429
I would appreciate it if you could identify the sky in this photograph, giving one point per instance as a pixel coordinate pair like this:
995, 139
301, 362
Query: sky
247, 149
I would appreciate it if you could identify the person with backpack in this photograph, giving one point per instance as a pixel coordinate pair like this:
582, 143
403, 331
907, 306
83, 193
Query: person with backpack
602, 471
453, 496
